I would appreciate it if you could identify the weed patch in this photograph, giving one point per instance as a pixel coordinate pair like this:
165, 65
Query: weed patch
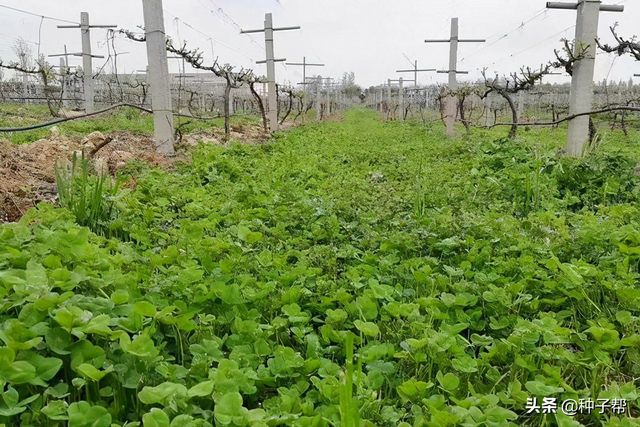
353, 273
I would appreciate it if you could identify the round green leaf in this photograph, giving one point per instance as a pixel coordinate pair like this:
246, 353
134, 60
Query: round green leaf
141, 346
367, 328
18, 372
120, 296
162, 393
91, 372
538, 388
58, 340
145, 308
202, 389
82, 414
56, 410
6, 356
229, 409
465, 363
449, 382
155, 418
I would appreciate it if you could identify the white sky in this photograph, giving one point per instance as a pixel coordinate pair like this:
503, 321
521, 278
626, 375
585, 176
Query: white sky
372, 38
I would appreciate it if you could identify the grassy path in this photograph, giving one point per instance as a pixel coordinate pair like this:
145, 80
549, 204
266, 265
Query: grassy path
466, 276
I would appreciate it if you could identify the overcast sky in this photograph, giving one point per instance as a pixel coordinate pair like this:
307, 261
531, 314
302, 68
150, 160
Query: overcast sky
372, 38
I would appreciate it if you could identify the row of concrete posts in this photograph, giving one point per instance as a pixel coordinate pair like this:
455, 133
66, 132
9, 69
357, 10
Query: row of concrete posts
581, 83
158, 70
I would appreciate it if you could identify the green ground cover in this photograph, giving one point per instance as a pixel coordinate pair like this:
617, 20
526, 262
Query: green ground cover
347, 273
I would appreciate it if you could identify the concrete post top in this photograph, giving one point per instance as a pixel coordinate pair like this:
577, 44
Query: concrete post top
574, 6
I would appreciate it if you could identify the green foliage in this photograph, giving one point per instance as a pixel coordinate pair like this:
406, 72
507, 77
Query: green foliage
296, 283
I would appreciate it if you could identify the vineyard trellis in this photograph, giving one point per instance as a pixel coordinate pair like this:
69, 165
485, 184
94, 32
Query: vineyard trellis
238, 91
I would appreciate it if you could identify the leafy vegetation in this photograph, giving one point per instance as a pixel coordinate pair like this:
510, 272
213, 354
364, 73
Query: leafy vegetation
352, 273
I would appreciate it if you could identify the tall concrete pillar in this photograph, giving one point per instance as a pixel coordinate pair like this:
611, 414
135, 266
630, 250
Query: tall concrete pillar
581, 96
583, 72
401, 98
158, 75
64, 94
25, 87
87, 70
451, 101
520, 104
271, 72
318, 100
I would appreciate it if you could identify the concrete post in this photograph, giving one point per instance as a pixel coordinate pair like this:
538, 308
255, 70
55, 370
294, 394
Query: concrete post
328, 107
488, 111
264, 94
271, 66
87, 67
450, 117
451, 102
63, 94
304, 65
271, 73
318, 100
25, 80
25, 87
453, 54
581, 96
203, 106
401, 98
415, 72
158, 75
520, 104
87, 70
582, 79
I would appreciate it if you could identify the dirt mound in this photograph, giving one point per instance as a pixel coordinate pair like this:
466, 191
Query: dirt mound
27, 174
